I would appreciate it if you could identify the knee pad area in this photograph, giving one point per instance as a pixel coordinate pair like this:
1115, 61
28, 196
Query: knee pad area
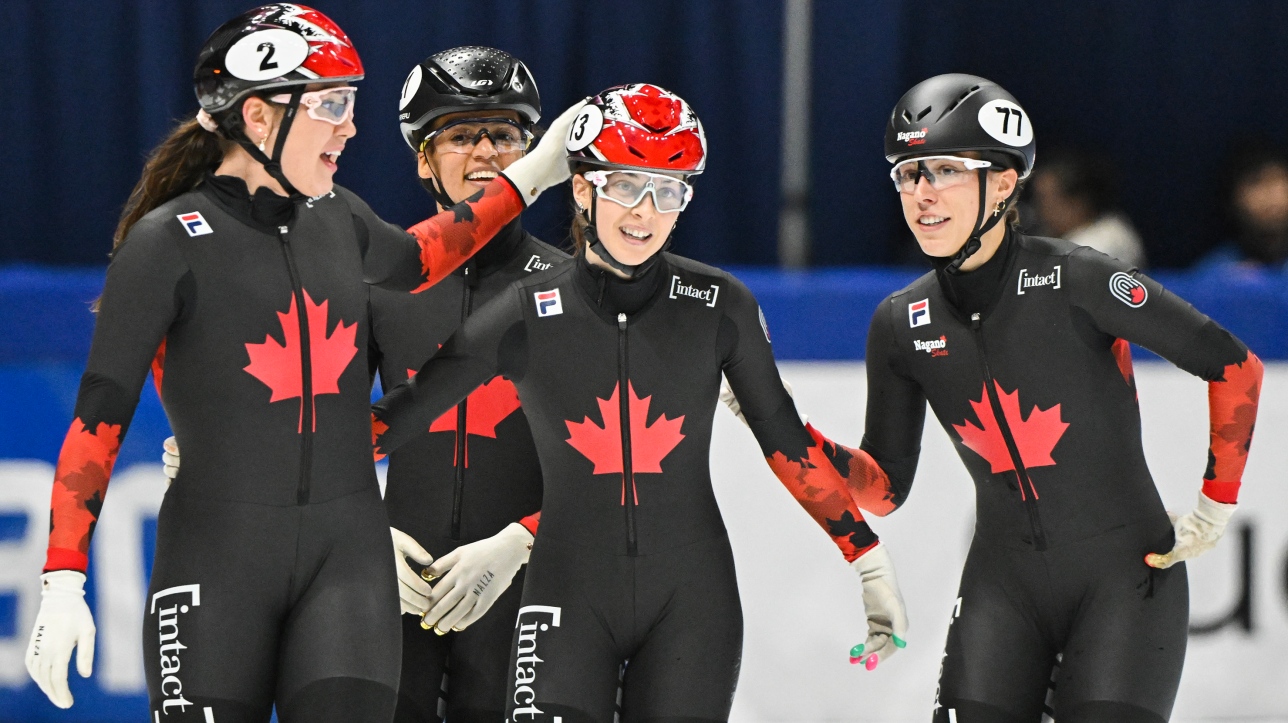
1106, 711
340, 700
969, 711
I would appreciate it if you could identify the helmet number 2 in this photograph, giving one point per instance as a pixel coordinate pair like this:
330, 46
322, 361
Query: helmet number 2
1005, 122
266, 62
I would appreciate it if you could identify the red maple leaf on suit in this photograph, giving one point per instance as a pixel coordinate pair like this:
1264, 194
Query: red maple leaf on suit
487, 406
279, 366
1035, 437
650, 443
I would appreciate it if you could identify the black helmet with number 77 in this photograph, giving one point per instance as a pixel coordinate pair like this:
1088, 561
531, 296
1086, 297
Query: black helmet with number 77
951, 114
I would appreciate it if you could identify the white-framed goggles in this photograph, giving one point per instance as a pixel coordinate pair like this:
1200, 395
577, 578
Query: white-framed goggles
329, 105
627, 188
940, 171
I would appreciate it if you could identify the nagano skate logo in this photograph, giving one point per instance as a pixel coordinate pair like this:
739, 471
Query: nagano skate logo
934, 347
533, 620
168, 636
912, 138
1128, 290
536, 264
679, 288
1029, 281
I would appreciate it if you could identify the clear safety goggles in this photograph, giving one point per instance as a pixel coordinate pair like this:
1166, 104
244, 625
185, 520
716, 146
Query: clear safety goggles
627, 188
463, 135
940, 171
329, 105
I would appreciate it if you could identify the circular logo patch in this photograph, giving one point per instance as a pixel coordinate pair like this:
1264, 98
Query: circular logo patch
585, 128
410, 86
1128, 290
266, 54
1006, 122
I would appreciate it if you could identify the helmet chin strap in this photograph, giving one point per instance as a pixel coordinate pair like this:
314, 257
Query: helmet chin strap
435, 186
273, 165
592, 233
982, 226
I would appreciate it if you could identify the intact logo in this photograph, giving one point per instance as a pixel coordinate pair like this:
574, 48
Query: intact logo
919, 313
170, 646
764, 326
195, 224
912, 138
536, 264
934, 347
709, 294
1128, 290
548, 303
532, 621
1031, 281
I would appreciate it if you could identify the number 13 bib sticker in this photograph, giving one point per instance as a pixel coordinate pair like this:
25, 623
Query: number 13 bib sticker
1007, 122
585, 128
266, 54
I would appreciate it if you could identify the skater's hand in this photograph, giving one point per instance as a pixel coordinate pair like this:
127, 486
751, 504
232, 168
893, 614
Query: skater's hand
170, 458
64, 622
474, 576
547, 163
883, 604
1196, 532
413, 592
730, 401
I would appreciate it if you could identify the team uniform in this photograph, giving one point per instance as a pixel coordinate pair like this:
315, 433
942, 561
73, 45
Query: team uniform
619, 380
466, 476
1026, 365
272, 581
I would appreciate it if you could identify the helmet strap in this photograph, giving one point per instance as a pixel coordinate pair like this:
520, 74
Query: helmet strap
435, 186
273, 165
983, 224
594, 244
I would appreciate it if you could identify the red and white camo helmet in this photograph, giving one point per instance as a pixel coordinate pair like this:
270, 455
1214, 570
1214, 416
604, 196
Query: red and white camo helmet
639, 127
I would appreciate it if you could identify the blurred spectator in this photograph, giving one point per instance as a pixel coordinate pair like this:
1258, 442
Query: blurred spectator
1075, 197
1255, 208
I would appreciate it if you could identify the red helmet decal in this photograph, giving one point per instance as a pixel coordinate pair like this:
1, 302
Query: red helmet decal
331, 53
649, 127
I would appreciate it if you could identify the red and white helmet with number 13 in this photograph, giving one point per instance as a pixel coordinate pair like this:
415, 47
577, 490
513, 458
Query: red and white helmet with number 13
639, 127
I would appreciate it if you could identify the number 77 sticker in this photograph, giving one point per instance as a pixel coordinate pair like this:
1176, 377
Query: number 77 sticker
1006, 122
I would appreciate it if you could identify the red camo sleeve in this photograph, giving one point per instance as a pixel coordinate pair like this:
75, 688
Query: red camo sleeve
1232, 412
450, 238
80, 483
531, 522
869, 485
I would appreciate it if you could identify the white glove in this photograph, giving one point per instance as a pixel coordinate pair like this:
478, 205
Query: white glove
883, 604
476, 575
547, 163
170, 458
1196, 532
730, 401
413, 592
64, 622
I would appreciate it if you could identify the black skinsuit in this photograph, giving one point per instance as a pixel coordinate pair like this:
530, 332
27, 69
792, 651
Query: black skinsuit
446, 489
272, 582
633, 563
1025, 363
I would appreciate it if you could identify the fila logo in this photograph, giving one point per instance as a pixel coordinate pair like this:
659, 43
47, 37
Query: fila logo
548, 303
919, 313
195, 224
536, 264
1128, 290
679, 288
1029, 281
933, 347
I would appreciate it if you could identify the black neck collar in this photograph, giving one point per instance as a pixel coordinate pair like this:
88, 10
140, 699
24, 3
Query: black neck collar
976, 291
265, 210
610, 294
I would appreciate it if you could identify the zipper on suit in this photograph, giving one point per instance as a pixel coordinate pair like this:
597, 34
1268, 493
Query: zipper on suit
458, 493
624, 405
306, 374
1029, 498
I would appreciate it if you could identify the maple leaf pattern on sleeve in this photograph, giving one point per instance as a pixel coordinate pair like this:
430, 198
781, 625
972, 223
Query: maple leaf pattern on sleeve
80, 482
650, 443
1035, 436
445, 245
1232, 411
817, 487
279, 365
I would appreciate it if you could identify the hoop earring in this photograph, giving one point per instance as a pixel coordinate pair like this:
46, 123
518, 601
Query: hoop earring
1001, 206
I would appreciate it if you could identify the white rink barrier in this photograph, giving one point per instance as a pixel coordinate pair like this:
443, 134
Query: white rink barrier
802, 604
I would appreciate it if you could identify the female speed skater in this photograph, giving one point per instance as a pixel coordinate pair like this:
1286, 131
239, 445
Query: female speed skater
1020, 345
238, 276
467, 501
617, 359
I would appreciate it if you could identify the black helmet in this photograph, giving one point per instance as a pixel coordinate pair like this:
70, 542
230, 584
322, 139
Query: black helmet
957, 112
465, 79
272, 46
